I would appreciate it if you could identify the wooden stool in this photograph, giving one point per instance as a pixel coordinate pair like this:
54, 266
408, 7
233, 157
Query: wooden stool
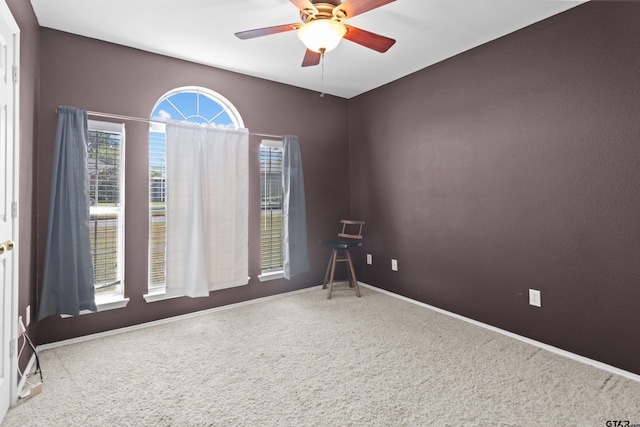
349, 238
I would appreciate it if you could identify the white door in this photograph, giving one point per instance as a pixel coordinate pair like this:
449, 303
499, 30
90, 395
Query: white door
8, 208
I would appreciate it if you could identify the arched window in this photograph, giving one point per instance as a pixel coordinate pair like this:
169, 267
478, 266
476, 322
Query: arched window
197, 105
189, 104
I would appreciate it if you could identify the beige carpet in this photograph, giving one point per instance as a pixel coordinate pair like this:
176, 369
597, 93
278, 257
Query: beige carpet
303, 360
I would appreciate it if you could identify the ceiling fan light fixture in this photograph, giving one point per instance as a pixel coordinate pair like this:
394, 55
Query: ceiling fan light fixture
321, 35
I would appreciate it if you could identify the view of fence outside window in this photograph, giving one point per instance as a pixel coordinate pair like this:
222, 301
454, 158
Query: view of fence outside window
106, 191
271, 190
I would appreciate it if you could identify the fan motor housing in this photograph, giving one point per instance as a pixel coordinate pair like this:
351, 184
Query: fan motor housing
327, 9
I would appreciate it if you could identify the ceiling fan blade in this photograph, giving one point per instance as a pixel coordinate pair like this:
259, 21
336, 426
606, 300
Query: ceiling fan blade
357, 7
304, 5
250, 34
311, 58
368, 39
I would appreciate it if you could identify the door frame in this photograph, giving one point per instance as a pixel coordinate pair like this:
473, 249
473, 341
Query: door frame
7, 16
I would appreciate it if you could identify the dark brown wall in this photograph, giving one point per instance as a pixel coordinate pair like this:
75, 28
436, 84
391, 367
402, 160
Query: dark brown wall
29, 74
513, 166
108, 78
509, 167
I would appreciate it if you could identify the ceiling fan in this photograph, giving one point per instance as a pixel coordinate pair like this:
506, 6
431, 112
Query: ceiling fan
322, 28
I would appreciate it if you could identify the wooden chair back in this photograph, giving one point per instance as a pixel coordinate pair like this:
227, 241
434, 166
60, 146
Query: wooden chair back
351, 229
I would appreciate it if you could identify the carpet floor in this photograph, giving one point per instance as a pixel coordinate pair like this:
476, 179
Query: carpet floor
303, 360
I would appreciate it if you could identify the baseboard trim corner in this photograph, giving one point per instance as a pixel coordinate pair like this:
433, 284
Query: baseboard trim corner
550, 348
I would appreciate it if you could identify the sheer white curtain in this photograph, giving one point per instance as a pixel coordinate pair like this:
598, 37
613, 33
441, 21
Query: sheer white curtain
207, 208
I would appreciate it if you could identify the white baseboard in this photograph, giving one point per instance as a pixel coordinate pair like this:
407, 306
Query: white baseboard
556, 350
168, 320
564, 353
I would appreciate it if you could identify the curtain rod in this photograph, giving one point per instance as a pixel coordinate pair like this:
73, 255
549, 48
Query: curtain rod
142, 120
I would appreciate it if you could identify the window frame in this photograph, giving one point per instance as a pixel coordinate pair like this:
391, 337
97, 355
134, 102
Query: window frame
270, 273
116, 298
158, 292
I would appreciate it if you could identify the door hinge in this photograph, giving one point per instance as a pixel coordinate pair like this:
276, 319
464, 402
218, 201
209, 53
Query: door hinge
16, 74
14, 209
12, 347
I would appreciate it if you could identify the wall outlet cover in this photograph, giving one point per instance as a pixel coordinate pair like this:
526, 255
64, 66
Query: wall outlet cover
535, 298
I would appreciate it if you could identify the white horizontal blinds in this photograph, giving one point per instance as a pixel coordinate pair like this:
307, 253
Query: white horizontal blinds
271, 255
157, 208
106, 193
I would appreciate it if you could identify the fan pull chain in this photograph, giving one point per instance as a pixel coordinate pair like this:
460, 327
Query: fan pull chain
322, 71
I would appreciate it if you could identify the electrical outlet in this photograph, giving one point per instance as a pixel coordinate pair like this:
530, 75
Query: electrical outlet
535, 298
369, 259
394, 264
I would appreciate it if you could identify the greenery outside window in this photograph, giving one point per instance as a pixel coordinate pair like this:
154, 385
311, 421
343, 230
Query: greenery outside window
106, 191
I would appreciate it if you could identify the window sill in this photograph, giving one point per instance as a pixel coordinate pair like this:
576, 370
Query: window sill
104, 305
271, 275
160, 295
112, 303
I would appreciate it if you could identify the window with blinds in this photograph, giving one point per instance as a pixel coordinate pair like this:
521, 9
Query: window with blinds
271, 190
106, 191
188, 104
157, 211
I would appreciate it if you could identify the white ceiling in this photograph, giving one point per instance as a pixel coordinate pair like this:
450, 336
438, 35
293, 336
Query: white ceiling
202, 31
